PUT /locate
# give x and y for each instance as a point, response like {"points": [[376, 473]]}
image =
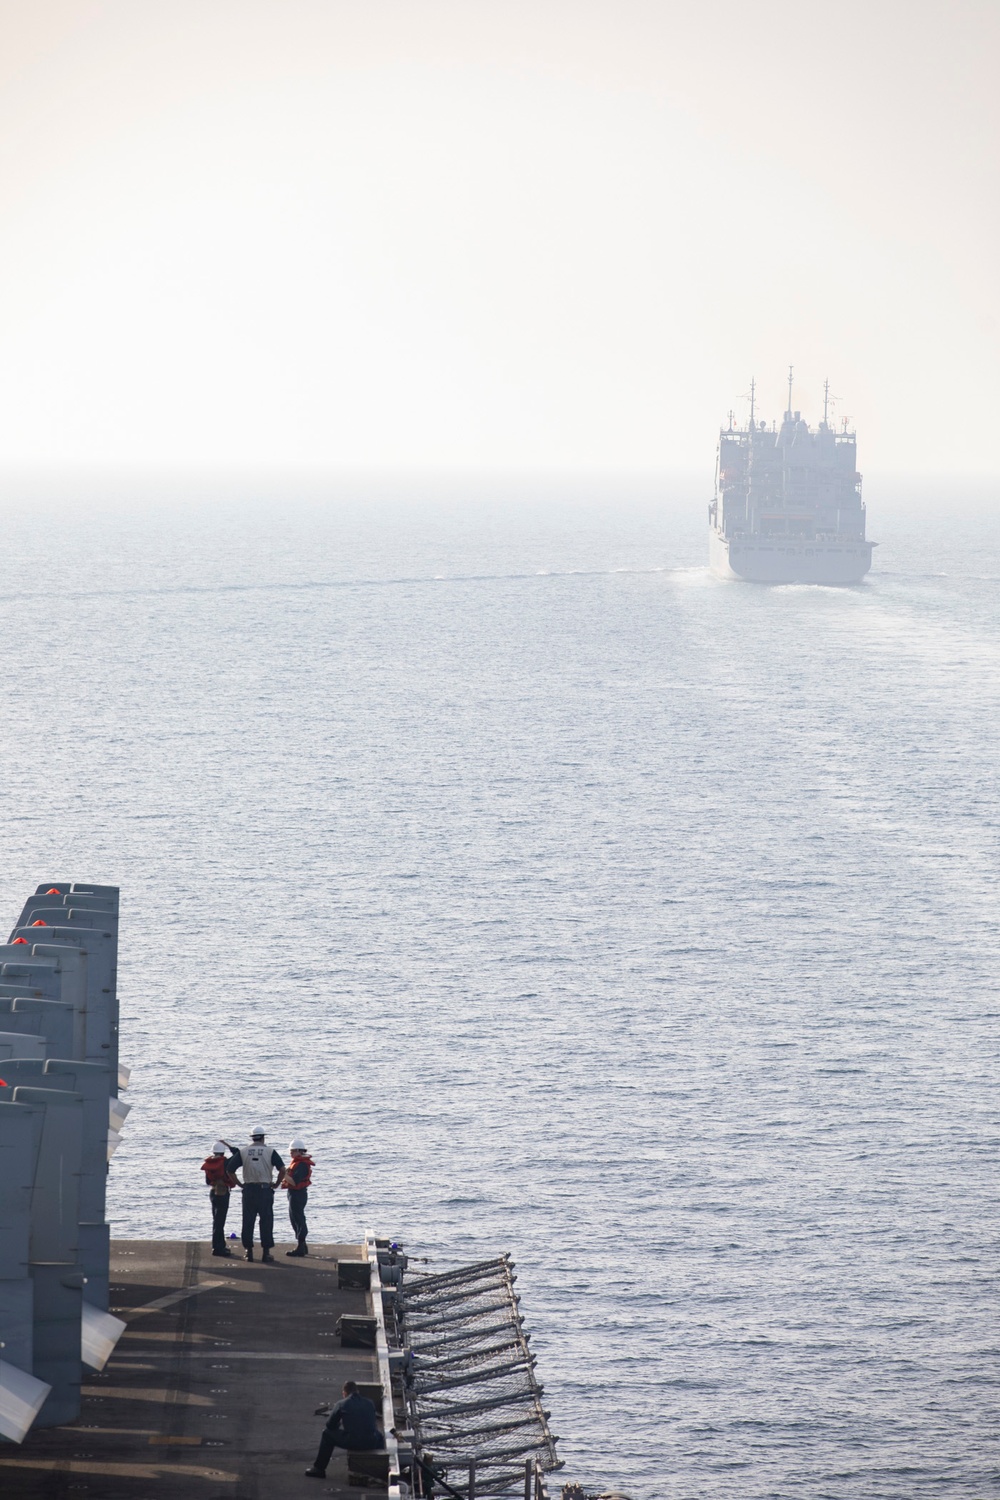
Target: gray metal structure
{"points": [[59, 1120], [467, 1375], [788, 506]]}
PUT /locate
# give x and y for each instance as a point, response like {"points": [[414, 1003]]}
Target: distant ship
{"points": [[788, 506]]}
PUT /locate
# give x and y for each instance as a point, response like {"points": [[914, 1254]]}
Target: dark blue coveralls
{"points": [[351, 1424], [258, 1203]]}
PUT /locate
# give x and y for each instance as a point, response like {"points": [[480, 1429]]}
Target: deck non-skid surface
{"points": [[210, 1392]]}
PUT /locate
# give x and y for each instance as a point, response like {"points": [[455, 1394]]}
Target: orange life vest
{"points": [[218, 1179], [298, 1161]]}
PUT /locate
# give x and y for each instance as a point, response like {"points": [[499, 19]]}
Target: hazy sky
{"points": [[481, 233]]}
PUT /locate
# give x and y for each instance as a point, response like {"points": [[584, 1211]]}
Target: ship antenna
{"points": [[788, 413], [826, 398], [753, 393]]}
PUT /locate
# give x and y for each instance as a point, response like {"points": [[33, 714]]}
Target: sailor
{"points": [[259, 1163], [351, 1425], [296, 1180], [220, 1181]]}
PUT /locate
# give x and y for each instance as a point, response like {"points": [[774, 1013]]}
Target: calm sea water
{"points": [[570, 903]]}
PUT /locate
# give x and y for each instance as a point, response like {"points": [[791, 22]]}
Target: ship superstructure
{"points": [[788, 506]]}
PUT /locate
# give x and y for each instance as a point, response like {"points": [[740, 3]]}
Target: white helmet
{"points": [[298, 1144], [219, 1149], [257, 1133]]}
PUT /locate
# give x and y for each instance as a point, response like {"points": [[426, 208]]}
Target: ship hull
{"points": [[756, 560]]}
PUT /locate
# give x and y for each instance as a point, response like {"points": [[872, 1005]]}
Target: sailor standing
{"points": [[296, 1181], [220, 1180], [259, 1164]]}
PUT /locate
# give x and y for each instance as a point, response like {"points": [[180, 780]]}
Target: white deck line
{"points": [[128, 1313], [396, 1491]]}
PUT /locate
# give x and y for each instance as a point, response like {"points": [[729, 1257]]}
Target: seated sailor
{"points": [[351, 1424]]}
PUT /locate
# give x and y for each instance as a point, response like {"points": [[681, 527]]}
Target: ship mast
{"points": [[788, 413], [753, 393], [826, 398]]}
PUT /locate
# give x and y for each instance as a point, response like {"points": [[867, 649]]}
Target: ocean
{"points": [[568, 902]]}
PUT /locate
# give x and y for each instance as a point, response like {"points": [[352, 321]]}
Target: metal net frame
{"points": [[472, 1398]]}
